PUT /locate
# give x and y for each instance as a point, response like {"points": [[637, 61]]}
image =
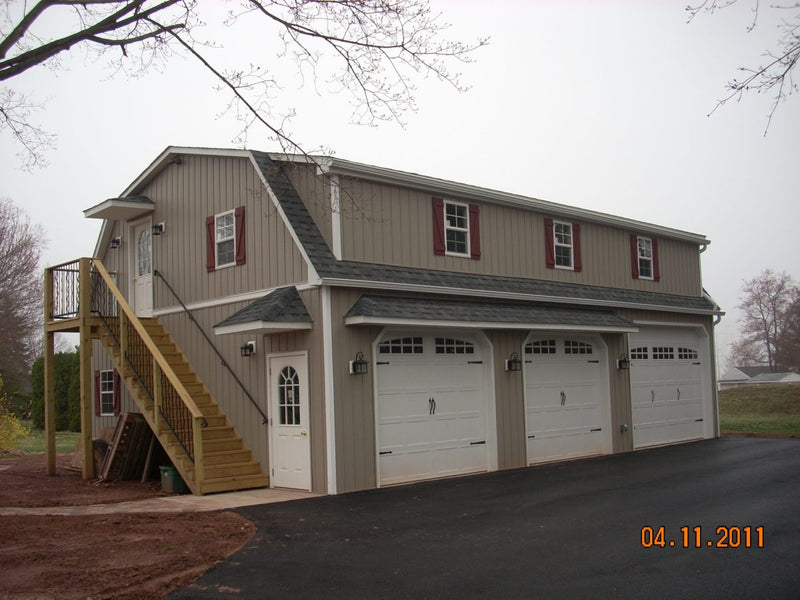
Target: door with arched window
{"points": [[290, 448], [142, 269]]}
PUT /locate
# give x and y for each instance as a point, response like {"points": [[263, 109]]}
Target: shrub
{"points": [[10, 427]]}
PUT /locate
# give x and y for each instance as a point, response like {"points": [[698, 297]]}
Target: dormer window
{"points": [[456, 229], [644, 258], [562, 245]]}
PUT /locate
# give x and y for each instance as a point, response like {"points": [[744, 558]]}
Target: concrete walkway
{"points": [[168, 504]]}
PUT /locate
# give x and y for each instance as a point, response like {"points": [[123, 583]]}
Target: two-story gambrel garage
{"points": [[385, 327]]}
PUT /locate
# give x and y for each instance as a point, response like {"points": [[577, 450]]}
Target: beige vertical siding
{"points": [[354, 398], [620, 391], [201, 186], [391, 225], [509, 393]]}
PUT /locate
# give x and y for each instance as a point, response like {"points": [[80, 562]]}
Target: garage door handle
{"points": [[598, 429], [652, 396], [679, 393], [563, 398], [477, 443], [431, 406], [530, 437], [385, 452]]}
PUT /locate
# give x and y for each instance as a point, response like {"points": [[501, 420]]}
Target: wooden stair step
{"points": [[230, 484], [221, 445], [232, 470], [227, 457], [222, 432]]}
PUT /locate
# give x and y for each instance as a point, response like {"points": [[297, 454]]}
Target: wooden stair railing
{"points": [[201, 443]]}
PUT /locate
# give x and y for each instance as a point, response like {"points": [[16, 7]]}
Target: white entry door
{"points": [[142, 270], [567, 404], [290, 454]]}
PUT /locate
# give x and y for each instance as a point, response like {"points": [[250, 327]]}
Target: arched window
{"points": [[144, 259], [289, 397]]}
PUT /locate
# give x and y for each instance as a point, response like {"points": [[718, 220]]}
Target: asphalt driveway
{"points": [[568, 530]]}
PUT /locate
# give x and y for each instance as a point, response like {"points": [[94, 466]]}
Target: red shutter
{"points": [[656, 270], [211, 246], [549, 244], [635, 256], [97, 393], [577, 264], [474, 231], [240, 241], [117, 394], [438, 227]]}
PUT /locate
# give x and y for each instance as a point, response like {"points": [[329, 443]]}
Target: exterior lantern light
{"points": [[623, 362], [513, 362], [248, 349], [158, 229], [359, 366], [115, 243]]}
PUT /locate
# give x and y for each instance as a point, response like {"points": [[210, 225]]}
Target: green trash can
{"points": [[171, 481]]}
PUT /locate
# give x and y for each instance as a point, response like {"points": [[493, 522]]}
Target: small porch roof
{"points": [[383, 310], [121, 209], [279, 311]]}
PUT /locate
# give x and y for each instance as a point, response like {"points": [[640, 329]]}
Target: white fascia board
{"points": [[395, 321], [427, 289], [470, 192], [265, 327]]}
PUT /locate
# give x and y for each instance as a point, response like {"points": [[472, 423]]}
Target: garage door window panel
{"points": [[541, 347], [575, 347], [453, 346], [663, 353], [687, 354], [406, 345]]}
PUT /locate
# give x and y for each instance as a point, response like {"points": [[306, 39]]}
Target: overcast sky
{"points": [[596, 104]]}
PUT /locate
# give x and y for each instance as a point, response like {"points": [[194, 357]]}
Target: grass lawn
{"points": [[772, 409], [35, 441]]}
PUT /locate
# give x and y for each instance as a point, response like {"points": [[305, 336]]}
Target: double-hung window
{"points": [[225, 243], [562, 239], [562, 245], [644, 258], [107, 393], [456, 229], [225, 239]]}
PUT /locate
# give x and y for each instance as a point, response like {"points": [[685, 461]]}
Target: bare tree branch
{"points": [[372, 49], [776, 75]]}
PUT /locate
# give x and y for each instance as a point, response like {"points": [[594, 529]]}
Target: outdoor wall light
{"points": [[513, 362], [359, 366], [623, 362], [115, 243], [248, 349], [158, 229]]}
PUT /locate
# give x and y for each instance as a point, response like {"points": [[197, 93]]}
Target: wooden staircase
{"points": [[227, 464]]}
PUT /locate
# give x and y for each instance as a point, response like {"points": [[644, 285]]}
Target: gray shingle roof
{"points": [[485, 312], [283, 305], [328, 267]]}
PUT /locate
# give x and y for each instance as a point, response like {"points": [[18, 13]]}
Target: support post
{"points": [[85, 309], [49, 376], [199, 461]]}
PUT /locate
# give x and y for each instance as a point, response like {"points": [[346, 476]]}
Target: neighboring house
{"points": [[737, 376], [395, 327]]}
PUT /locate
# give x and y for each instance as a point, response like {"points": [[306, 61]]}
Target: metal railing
{"points": [[66, 290], [222, 360]]}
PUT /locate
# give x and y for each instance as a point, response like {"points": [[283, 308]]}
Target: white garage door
{"points": [[432, 407], [567, 406], [667, 391]]}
